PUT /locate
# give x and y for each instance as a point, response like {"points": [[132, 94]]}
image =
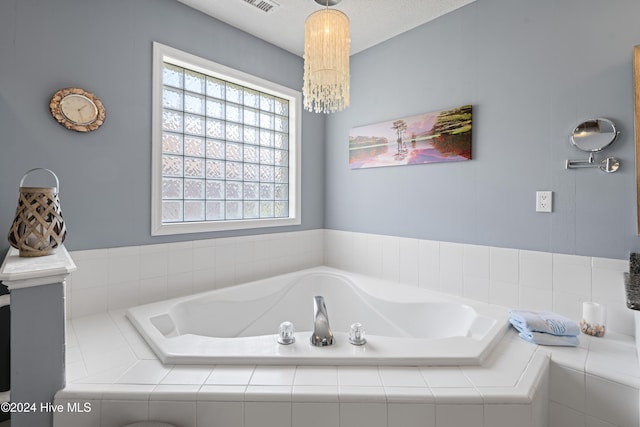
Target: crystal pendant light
{"points": [[326, 60]]}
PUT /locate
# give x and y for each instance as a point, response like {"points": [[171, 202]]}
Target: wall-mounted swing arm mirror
{"points": [[593, 136]]}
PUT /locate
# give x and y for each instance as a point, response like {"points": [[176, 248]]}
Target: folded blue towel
{"points": [[541, 338], [549, 323]]}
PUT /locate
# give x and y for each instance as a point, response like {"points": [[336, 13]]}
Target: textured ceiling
{"points": [[372, 21]]}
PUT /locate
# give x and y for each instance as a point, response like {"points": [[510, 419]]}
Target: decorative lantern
{"points": [[38, 227]]}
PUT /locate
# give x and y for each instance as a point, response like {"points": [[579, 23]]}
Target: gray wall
{"points": [[106, 48], [532, 70]]}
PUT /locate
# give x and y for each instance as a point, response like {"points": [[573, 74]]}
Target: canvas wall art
{"points": [[439, 136]]}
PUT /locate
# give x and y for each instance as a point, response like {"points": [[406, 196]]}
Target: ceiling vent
{"points": [[263, 5]]}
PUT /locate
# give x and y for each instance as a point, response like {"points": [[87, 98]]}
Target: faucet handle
{"points": [[285, 333], [356, 334]]}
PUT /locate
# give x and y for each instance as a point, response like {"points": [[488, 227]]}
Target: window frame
{"points": [[162, 54]]}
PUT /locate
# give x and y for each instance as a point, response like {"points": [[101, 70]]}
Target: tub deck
{"points": [[110, 367]]}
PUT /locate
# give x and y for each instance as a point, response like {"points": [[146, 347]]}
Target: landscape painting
{"points": [[439, 136]]}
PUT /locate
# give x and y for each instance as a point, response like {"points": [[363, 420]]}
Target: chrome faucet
{"points": [[322, 335]]}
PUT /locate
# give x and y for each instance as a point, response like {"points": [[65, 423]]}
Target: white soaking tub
{"points": [[404, 325]]}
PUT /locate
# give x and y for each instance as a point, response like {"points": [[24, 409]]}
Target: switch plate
{"points": [[544, 201]]}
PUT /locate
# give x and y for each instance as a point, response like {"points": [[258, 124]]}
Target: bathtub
{"points": [[404, 325]]}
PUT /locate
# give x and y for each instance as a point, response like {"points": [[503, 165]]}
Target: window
{"points": [[226, 150]]}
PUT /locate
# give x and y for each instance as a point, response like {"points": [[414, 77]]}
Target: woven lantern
{"points": [[38, 227]]}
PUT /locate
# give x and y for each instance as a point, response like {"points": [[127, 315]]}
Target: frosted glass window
{"points": [[171, 143], [224, 148], [193, 146]]}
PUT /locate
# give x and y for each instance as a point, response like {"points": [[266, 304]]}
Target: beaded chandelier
{"points": [[326, 60]]}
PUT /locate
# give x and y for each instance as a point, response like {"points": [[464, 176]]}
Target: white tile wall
{"points": [[456, 415], [220, 414], [115, 278], [475, 272], [451, 268], [509, 277], [118, 413], [610, 402], [315, 414], [568, 387], [540, 404], [89, 418], [599, 391], [412, 414], [508, 415], [179, 413], [408, 264], [360, 414], [563, 416], [261, 414]]}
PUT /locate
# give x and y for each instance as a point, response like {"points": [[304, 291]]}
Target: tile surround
{"points": [[116, 278], [246, 396], [510, 277], [383, 396]]}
